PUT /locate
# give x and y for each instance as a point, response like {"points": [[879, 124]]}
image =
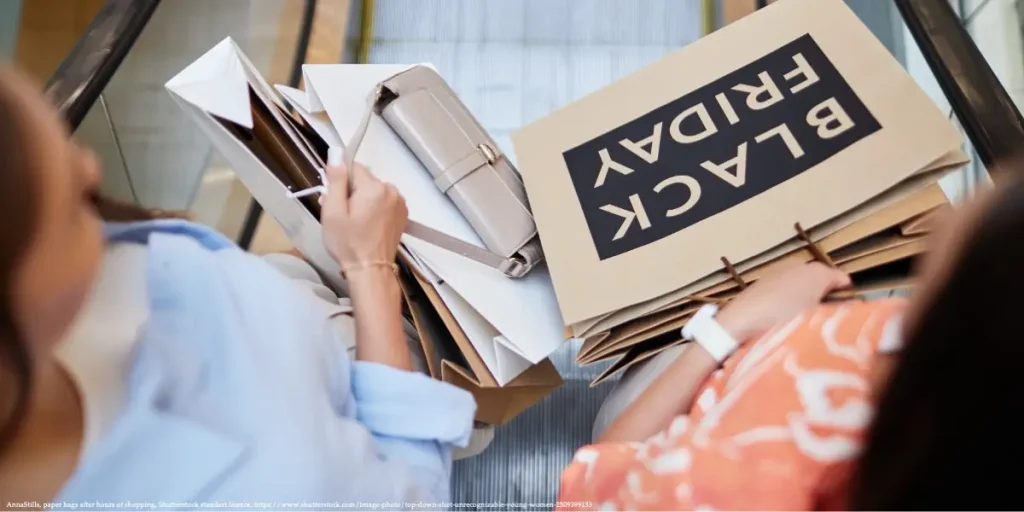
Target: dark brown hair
{"points": [[18, 193], [945, 435], [18, 207]]}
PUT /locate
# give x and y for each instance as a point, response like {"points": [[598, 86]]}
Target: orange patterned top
{"points": [[773, 429]]}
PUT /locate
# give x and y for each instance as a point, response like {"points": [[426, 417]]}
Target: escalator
{"points": [[82, 89], [989, 117], [82, 85], [110, 88]]}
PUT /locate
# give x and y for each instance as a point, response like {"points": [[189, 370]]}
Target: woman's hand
{"points": [[771, 300], [779, 297], [365, 226]]}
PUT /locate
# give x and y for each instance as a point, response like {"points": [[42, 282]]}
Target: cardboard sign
{"points": [[711, 149], [796, 113]]}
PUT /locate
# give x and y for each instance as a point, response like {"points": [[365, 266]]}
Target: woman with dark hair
{"points": [[945, 433], [783, 403], [153, 361]]}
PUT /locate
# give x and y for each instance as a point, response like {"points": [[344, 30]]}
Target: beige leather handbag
{"points": [[466, 165]]}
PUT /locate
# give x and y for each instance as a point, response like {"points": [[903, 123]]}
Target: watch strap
{"points": [[706, 331]]}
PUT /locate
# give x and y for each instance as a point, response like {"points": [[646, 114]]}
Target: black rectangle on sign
{"points": [[715, 147]]}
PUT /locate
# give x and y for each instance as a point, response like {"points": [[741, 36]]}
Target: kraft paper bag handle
{"points": [[819, 256]]}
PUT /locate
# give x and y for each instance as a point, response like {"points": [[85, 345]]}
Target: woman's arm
{"points": [[377, 315], [667, 397], [769, 301], [362, 228], [377, 307], [396, 443], [413, 419], [396, 430]]}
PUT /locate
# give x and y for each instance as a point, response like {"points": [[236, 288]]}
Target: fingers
{"points": [[841, 279], [361, 177], [346, 186], [336, 173], [338, 191], [401, 209], [393, 196], [830, 278]]}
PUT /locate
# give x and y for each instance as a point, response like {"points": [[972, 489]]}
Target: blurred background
{"points": [[511, 61]]}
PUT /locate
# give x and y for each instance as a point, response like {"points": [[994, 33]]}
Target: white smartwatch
{"points": [[705, 330]]}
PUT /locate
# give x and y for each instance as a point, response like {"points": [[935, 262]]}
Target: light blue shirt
{"points": [[240, 391]]}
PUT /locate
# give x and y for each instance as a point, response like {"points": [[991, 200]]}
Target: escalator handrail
{"points": [[86, 71], [988, 115]]}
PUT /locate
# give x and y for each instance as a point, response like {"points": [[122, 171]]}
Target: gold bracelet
{"points": [[359, 265]]}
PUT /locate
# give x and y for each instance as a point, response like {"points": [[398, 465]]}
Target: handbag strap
{"points": [[511, 267]]}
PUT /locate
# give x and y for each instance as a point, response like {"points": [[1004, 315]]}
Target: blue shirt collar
{"points": [[139, 232], [151, 453]]}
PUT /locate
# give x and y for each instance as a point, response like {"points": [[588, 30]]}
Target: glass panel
{"points": [[170, 163], [884, 22], [10, 15], [995, 27], [97, 132], [514, 61], [960, 184]]}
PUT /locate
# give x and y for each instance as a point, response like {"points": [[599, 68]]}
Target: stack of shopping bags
{"points": [[791, 135], [477, 298]]}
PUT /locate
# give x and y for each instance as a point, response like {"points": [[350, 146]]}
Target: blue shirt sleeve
{"points": [[411, 405], [242, 388], [413, 419]]}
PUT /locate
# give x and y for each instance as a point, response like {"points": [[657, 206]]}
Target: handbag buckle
{"points": [[513, 267], [488, 153]]}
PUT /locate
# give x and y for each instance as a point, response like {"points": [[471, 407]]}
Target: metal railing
{"points": [[86, 71], [988, 115]]}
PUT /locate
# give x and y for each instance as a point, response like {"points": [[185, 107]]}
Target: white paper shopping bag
{"points": [[523, 310]]}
